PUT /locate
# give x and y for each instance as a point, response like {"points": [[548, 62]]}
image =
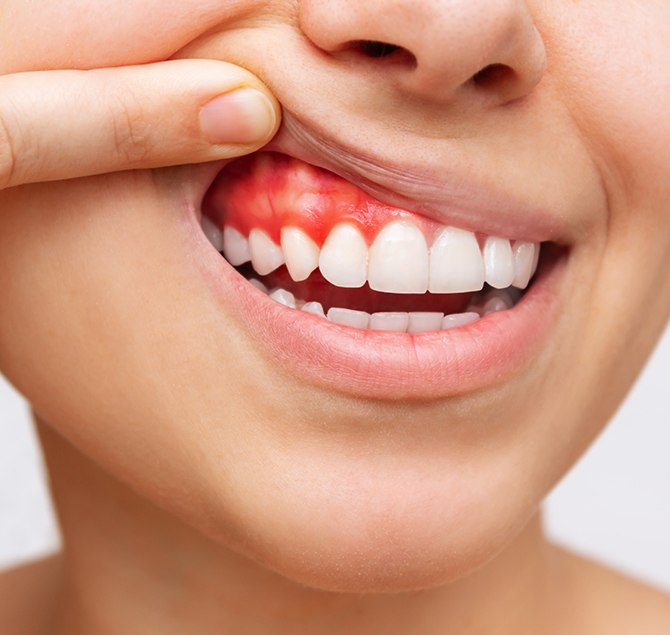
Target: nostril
{"points": [[376, 50], [370, 48], [492, 74]]}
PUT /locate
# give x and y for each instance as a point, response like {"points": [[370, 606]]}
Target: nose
{"points": [[441, 50]]}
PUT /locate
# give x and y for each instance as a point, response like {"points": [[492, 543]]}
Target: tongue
{"points": [[269, 191], [317, 289]]}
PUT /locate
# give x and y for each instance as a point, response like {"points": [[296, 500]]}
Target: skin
{"points": [[188, 501]]}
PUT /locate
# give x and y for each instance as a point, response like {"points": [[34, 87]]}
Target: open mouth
{"points": [[318, 244], [344, 291]]}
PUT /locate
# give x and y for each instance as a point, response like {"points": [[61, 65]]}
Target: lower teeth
{"points": [[482, 304]]}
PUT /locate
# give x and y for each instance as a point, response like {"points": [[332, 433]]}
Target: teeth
{"points": [[347, 317], [499, 300], [315, 308], [421, 322], [266, 256], [300, 251], [258, 284], [536, 260], [235, 247], [493, 306], [389, 322], [498, 262], [417, 322], [456, 264], [344, 257], [524, 263], [284, 297], [213, 233], [459, 319], [399, 259], [397, 262]]}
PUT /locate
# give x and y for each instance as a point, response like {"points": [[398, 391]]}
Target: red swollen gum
{"points": [[270, 191]]}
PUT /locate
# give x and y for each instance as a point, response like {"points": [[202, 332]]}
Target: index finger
{"points": [[65, 124]]}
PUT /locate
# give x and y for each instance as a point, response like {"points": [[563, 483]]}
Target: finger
{"points": [[64, 124]]}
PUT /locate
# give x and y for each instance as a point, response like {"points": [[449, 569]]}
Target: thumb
{"points": [[66, 124]]}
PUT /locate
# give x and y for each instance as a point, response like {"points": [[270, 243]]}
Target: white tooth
{"points": [[266, 256], [283, 297], [524, 257], [498, 262], [395, 321], [315, 308], [235, 247], [399, 259], [300, 251], [536, 259], [422, 322], [459, 319], [456, 264], [213, 233], [495, 304], [344, 257], [258, 284], [347, 317]]}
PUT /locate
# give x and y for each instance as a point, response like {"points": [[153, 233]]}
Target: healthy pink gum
{"points": [[270, 191]]}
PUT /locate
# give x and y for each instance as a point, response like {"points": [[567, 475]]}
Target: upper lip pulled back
{"points": [[435, 191]]}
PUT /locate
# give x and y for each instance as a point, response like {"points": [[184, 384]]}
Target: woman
{"points": [[365, 450]]}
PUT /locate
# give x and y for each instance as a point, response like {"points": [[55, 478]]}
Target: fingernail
{"points": [[243, 116]]}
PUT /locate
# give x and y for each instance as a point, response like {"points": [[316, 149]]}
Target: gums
{"points": [[270, 190]]}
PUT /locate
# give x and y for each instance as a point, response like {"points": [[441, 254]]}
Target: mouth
{"points": [[369, 298]]}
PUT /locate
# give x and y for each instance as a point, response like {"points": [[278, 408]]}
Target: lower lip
{"points": [[389, 365]]}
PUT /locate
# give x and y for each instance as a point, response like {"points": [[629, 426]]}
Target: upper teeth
{"points": [[344, 257], [398, 261]]}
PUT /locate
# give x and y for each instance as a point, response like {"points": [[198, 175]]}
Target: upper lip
{"points": [[425, 187]]}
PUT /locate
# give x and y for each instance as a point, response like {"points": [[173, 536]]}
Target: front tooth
{"points": [[524, 257], [300, 251], [344, 257], [316, 308], [213, 233], [423, 322], [399, 259], [347, 317], [459, 319], [266, 256], [498, 262], [235, 247], [283, 297], [456, 264], [389, 321]]}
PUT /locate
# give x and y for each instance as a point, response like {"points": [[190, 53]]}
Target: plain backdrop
{"points": [[614, 505]]}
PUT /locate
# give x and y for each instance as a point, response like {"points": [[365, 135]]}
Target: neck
{"points": [[130, 567]]}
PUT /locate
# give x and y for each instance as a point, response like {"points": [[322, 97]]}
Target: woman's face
{"points": [[342, 458]]}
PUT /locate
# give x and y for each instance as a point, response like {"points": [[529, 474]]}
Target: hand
{"points": [[65, 124]]}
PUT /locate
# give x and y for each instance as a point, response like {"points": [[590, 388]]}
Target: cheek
{"points": [[618, 94], [84, 34], [610, 63], [108, 330]]}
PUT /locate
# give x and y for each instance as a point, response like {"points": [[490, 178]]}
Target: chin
{"points": [[358, 527]]}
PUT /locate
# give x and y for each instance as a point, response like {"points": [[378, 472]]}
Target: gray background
{"points": [[614, 505]]}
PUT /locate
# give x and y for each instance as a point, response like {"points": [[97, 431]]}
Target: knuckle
{"points": [[131, 130]]}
